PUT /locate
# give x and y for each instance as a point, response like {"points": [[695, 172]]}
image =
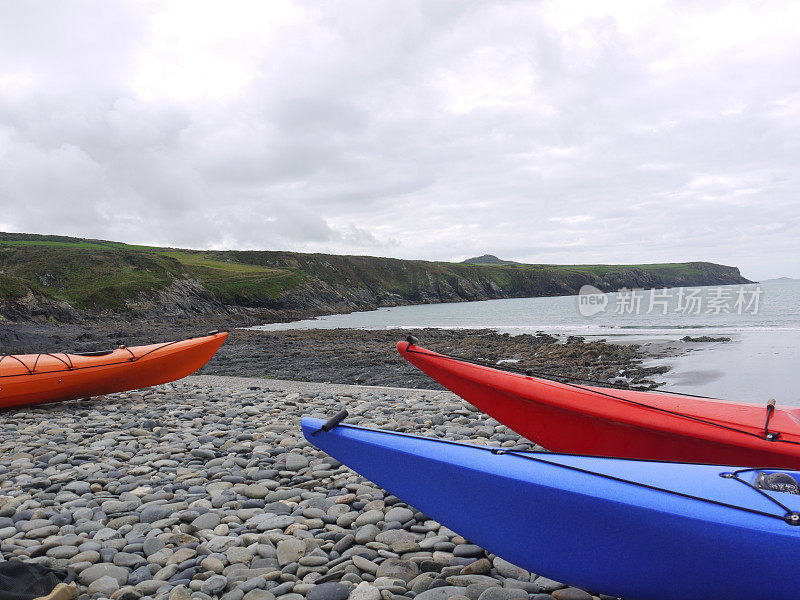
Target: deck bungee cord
{"points": [[769, 436], [69, 366], [790, 517], [66, 358]]}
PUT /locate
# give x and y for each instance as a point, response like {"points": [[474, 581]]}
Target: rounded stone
{"points": [[139, 575], [365, 565], [213, 564], [370, 517], [256, 490], [398, 569], [214, 585], [366, 534], [479, 567], [104, 586], [328, 591], [127, 559], [548, 586], [399, 514], [236, 554], [91, 556], [63, 552], [571, 593], [393, 536], [181, 555], [295, 461], [95, 572], [500, 593], [441, 593], [468, 551], [127, 592], [510, 570], [365, 591], [259, 595], [290, 550], [115, 507], [152, 545], [208, 520], [151, 514]]}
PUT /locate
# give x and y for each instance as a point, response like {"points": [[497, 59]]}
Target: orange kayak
{"points": [[27, 379]]}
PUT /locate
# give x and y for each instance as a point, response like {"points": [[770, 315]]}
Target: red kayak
{"points": [[581, 419], [27, 379]]}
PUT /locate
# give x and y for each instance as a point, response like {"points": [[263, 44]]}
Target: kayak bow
{"points": [[27, 379], [633, 529], [565, 417]]}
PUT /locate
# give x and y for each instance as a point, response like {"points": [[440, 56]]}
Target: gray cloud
{"points": [[543, 132]]}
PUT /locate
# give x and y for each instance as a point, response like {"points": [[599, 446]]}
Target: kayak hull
{"points": [[622, 423], [40, 378], [587, 521]]}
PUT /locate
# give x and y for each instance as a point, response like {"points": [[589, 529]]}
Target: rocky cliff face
{"points": [[319, 297], [335, 284], [33, 306]]}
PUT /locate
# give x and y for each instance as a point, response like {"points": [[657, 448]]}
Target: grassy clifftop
{"points": [[95, 274], [98, 275]]}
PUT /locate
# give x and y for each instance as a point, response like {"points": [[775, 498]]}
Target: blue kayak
{"points": [[640, 530]]}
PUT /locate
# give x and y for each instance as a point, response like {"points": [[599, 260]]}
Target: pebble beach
{"points": [[205, 488]]}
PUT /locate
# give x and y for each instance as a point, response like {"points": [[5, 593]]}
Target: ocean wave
{"points": [[593, 329]]}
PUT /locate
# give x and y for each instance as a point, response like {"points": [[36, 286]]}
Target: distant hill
{"points": [[59, 278], [488, 259]]}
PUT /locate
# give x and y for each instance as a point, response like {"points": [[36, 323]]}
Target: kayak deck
{"points": [[634, 529], [28, 379]]}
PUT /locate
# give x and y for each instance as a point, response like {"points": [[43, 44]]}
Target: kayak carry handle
{"points": [[770, 436], [412, 340], [333, 421]]}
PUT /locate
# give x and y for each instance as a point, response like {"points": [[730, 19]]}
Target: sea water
{"points": [[762, 320]]}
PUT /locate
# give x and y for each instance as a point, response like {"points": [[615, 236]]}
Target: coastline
{"points": [[754, 366], [357, 356]]}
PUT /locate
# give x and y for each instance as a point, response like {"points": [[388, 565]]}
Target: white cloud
{"points": [[539, 131]]}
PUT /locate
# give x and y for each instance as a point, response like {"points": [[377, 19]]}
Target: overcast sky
{"points": [[558, 132]]}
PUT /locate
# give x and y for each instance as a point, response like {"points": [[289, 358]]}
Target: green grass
{"points": [[672, 269], [236, 282], [13, 287], [247, 288], [52, 244], [191, 259], [87, 277], [103, 274]]}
